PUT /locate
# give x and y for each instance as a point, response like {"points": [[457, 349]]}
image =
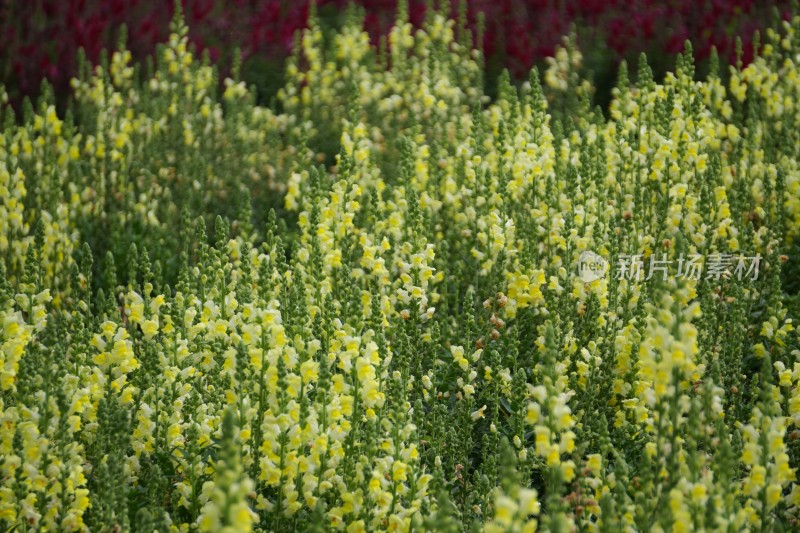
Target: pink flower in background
{"points": [[41, 39]]}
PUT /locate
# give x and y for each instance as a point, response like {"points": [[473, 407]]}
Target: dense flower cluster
{"points": [[364, 312]]}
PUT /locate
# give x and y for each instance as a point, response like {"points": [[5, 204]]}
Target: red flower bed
{"points": [[41, 37]]}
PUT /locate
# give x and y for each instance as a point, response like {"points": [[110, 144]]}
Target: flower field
{"points": [[365, 308]]}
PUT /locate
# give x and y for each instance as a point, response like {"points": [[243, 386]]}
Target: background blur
{"points": [[40, 38]]}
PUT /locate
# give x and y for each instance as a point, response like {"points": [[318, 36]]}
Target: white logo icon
{"points": [[591, 267]]}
